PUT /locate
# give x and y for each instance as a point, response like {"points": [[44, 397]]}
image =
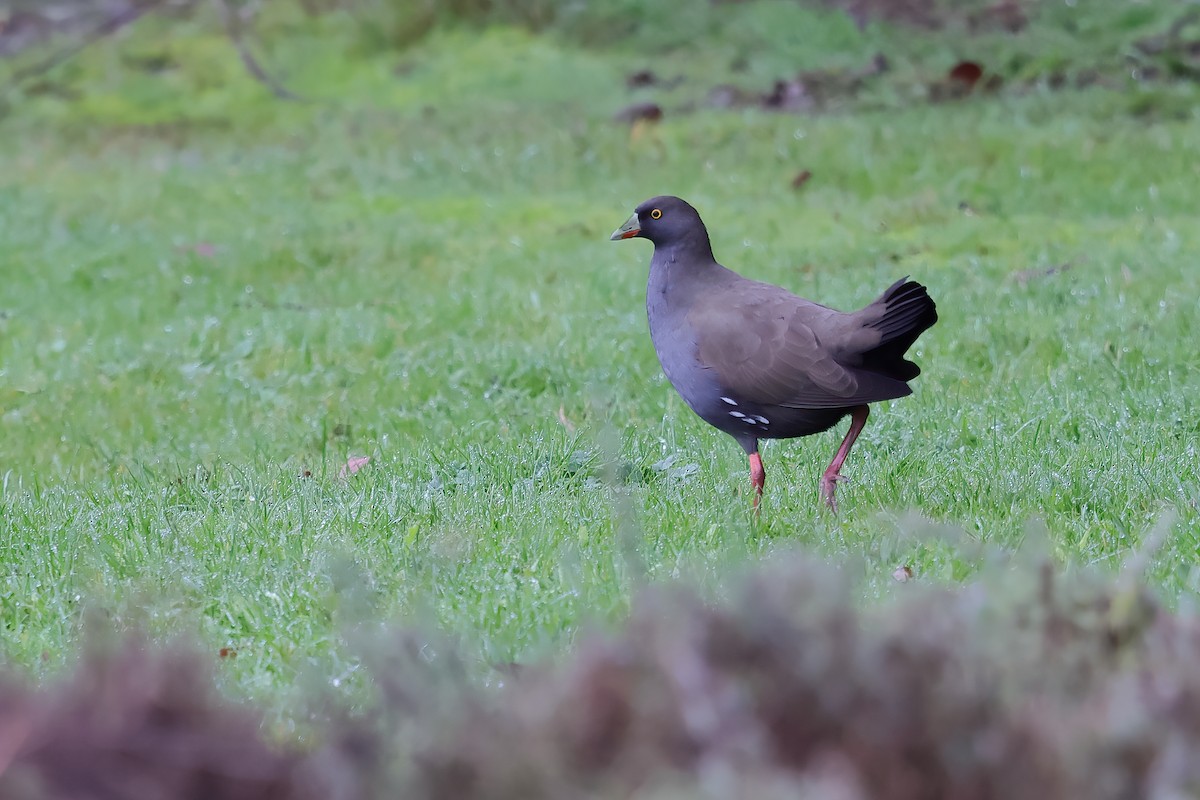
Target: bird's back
{"points": [[744, 346]]}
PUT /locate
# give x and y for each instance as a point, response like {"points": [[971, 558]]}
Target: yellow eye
{"points": [[655, 214]]}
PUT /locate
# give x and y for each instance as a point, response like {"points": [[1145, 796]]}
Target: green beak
{"points": [[630, 229]]}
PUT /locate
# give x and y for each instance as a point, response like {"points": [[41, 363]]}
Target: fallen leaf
{"points": [[801, 178], [726, 96], [1026, 275], [227, 652], [639, 112], [963, 79], [879, 65], [967, 73], [903, 573], [790, 95], [643, 77], [1006, 15], [353, 465], [566, 423]]}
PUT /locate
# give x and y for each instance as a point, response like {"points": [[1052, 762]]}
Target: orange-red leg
{"points": [[829, 481], [758, 477]]}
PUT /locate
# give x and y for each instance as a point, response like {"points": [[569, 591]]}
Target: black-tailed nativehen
{"points": [[758, 362]]}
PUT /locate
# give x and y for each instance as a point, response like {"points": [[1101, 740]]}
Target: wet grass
{"points": [[212, 299]]}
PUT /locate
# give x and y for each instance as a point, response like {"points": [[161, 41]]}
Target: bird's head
{"points": [[664, 220]]}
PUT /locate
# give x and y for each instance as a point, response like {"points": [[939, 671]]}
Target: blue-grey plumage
{"points": [[758, 362]]}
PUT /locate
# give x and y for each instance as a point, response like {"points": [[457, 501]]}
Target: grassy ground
{"points": [[212, 299]]}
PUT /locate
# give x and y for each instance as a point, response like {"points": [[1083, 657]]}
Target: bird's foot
{"points": [[829, 482]]}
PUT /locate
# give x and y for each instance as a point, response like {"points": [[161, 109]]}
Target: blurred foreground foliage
{"points": [[1023, 684]]}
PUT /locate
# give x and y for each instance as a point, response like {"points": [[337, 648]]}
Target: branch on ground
{"points": [[234, 27], [233, 19]]}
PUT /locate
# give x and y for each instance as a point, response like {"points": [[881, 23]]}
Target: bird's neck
{"points": [[694, 248], [677, 271]]}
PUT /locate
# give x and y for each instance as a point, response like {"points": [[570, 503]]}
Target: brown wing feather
{"points": [[770, 349]]}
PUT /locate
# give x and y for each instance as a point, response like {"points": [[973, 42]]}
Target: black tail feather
{"points": [[909, 311]]}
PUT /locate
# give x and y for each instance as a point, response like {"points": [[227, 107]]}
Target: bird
{"points": [[756, 361]]}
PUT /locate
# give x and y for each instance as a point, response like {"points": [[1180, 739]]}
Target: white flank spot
{"points": [[730, 400], [750, 420], [763, 420], [737, 414]]}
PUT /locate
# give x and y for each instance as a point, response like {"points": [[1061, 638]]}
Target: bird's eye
{"points": [[656, 213]]}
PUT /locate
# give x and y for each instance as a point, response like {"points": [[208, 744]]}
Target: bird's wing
{"points": [[773, 348]]}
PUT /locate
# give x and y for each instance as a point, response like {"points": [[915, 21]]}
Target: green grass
{"points": [[419, 271]]}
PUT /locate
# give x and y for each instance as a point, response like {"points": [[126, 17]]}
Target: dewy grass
{"points": [[211, 300]]}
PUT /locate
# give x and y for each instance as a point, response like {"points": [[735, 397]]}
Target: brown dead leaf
{"points": [[1006, 15], [639, 112], [566, 423], [1026, 275], [966, 73], [353, 465], [963, 79], [801, 178], [227, 652], [643, 77]]}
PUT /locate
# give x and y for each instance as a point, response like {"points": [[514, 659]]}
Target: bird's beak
{"points": [[630, 229]]}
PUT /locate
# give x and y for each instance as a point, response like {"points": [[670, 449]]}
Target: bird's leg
{"points": [[829, 481], [758, 477]]}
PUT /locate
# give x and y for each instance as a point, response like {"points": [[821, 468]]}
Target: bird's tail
{"points": [[908, 311]]}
